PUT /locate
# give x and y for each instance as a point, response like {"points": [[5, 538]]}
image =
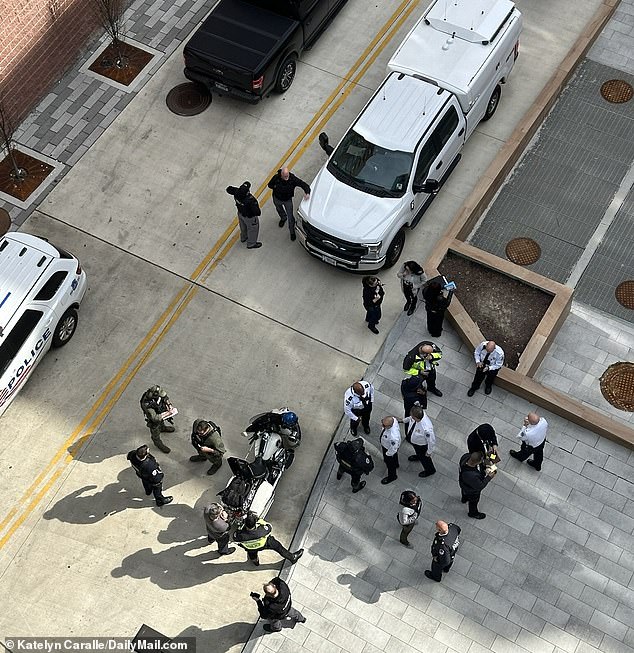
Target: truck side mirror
{"points": [[324, 144], [430, 186]]}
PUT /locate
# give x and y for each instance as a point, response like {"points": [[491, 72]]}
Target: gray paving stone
{"points": [[560, 638], [596, 599], [346, 640], [444, 615], [599, 475], [493, 602], [421, 621], [550, 613], [571, 531], [611, 645], [622, 539], [620, 593], [604, 548], [533, 643], [608, 625], [538, 588], [616, 572], [610, 498], [419, 642], [625, 488], [519, 596], [584, 632], [477, 632]]}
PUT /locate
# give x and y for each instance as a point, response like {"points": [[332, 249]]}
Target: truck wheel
{"points": [[65, 328], [494, 100], [286, 74], [395, 250]]}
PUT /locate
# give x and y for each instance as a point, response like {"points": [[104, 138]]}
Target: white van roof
{"points": [[397, 116], [23, 260], [452, 41]]}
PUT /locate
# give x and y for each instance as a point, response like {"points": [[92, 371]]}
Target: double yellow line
{"points": [[117, 385]]}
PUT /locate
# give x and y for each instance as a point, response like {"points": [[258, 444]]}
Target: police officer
{"points": [[353, 460], [218, 528], [489, 358], [357, 405], [255, 535], [419, 432], [390, 443], [423, 359], [533, 437], [414, 392], [154, 403], [277, 605], [151, 475], [473, 479], [443, 549], [207, 440]]}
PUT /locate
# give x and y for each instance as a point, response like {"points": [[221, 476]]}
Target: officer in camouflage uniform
{"points": [[207, 440], [154, 402]]}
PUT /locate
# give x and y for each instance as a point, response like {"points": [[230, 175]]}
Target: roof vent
{"points": [[40, 263], [22, 251]]}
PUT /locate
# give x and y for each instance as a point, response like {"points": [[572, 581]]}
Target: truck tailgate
{"points": [[238, 37]]}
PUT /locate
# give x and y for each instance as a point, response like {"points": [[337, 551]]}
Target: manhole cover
{"points": [[5, 221], [523, 251], [617, 385], [624, 294], [188, 99], [617, 91]]}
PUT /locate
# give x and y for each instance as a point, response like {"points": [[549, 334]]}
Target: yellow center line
{"points": [[109, 396]]}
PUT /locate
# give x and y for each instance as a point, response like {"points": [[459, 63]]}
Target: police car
{"points": [[41, 287]]}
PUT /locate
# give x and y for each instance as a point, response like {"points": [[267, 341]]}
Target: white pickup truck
{"points": [[442, 81]]}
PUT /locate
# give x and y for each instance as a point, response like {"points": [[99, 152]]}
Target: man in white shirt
{"points": [[419, 432], [390, 442], [489, 358], [357, 405], [533, 437]]}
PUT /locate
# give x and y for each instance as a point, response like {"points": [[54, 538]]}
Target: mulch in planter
{"points": [[37, 172], [134, 61]]}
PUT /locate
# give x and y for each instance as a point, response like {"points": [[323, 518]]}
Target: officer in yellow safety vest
{"points": [[255, 535], [422, 361]]}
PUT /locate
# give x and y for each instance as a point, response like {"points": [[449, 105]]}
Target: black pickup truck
{"points": [[248, 48]]}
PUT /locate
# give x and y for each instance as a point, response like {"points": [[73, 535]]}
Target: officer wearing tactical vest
{"points": [[443, 549], [155, 403], [150, 473], [207, 440], [255, 535], [422, 360]]}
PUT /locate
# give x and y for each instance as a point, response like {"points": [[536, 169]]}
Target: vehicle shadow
{"points": [[219, 640], [185, 565]]}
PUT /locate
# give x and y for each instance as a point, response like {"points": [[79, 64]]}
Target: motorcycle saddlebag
{"points": [[235, 493], [248, 471]]}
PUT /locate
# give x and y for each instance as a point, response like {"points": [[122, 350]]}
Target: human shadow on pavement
{"points": [[85, 507], [219, 640], [173, 568]]}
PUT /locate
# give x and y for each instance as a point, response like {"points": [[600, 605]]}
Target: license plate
{"points": [[222, 87], [329, 260]]}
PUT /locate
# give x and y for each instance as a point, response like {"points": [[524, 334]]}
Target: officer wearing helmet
{"points": [[282, 421], [207, 440], [154, 404]]}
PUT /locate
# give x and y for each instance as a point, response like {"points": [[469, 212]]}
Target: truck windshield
{"points": [[369, 167]]}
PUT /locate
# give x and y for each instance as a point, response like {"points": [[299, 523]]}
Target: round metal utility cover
{"points": [[617, 91], [624, 294], [5, 221], [617, 386], [188, 99], [523, 251]]}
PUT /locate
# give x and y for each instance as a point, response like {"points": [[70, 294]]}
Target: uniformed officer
{"points": [[419, 432], [473, 479], [255, 535], [357, 405], [150, 473], [277, 605], [207, 440], [354, 460], [390, 443], [489, 358], [443, 549], [154, 403], [414, 392], [423, 359], [533, 437]]}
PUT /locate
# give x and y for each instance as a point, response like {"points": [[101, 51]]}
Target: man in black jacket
{"points": [[473, 479], [443, 549], [276, 605], [248, 214], [354, 460], [151, 475], [283, 185]]}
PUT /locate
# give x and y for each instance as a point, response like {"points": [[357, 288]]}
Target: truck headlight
{"points": [[374, 249]]}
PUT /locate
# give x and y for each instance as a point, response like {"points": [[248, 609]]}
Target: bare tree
{"points": [[7, 131], [110, 15]]}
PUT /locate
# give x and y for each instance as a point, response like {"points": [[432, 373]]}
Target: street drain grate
{"points": [[523, 251], [624, 294], [617, 91], [188, 99], [617, 386]]}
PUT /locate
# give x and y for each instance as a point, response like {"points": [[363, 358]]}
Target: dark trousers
{"points": [[472, 499], [434, 322], [431, 379], [537, 452], [391, 462], [293, 615], [355, 476], [373, 315], [409, 401], [273, 545], [223, 541], [437, 569], [481, 375], [156, 490], [411, 298], [364, 417], [284, 209], [405, 531], [425, 460]]}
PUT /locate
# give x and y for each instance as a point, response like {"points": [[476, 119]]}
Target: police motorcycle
{"points": [[273, 438]]}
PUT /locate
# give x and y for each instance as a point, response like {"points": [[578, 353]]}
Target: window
{"points": [[428, 154], [13, 341], [434, 145], [446, 127], [48, 290]]}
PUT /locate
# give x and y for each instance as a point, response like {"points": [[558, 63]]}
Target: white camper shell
{"points": [[457, 43], [41, 287], [443, 80]]}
